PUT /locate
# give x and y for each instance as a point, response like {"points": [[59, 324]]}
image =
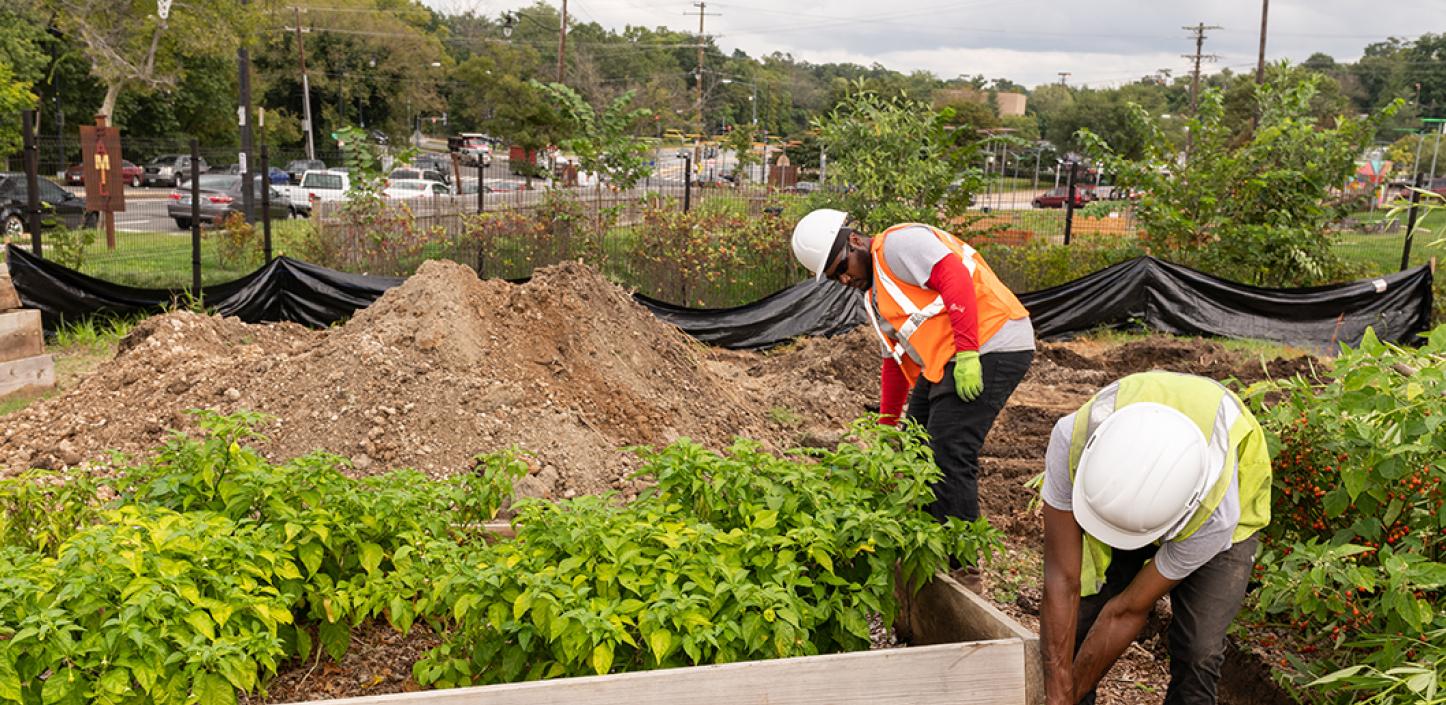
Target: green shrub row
{"points": [[1353, 556], [205, 570]]}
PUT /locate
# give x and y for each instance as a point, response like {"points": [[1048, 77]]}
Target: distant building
{"points": [[1005, 104], [1010, 104]]}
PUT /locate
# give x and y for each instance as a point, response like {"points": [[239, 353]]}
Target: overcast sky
{"points": [[1100, 42]]}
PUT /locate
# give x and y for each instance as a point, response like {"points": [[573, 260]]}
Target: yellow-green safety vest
{"points": [[1202, 400]]}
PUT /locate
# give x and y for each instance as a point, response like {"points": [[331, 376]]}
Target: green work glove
{"points": [[968, 377]]}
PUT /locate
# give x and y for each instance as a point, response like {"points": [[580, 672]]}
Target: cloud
{"points": [[1099, 42]]}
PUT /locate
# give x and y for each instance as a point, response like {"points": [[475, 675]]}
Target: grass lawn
{"points": [[78, 349], [1264, 349], [1380, 253], [159, 261]]}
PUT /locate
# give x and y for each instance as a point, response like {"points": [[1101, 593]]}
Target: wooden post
{"points": [[101, 123]]}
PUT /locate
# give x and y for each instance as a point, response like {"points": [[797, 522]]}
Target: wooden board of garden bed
{"points": [[965, 653]]}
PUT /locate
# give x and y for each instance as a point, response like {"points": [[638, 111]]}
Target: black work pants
{"points": [[1204, 604], [957, 428]]}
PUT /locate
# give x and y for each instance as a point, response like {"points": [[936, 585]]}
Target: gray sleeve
{"points": [[1058, 490], [1176, 560], [912, 253]]}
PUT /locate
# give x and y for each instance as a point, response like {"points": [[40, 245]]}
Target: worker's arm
{"points": [[1118, 624], [1060, 612], [893, 388], [951, 279]]}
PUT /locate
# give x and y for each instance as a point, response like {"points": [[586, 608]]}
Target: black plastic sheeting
{"points": [[1144, 291], [282, 290]]}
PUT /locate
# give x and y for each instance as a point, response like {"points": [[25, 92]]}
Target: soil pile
{"points": [[440, 368]]}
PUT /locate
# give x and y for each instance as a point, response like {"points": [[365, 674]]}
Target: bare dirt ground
{"points": [[569, 368]]}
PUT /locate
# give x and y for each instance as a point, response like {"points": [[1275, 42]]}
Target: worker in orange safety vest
{"points": [[950, 330]]}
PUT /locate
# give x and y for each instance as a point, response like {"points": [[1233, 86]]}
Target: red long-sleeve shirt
{"points": [[951, 280]]}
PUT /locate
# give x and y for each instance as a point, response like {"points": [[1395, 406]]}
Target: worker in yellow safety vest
{"points": [[950, 331], [1157, 485]]}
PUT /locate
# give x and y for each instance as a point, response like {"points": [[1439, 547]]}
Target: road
{"points": [[146, 206]]}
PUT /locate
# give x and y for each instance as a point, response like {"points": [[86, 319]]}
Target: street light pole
{"points": [[305, 90]]}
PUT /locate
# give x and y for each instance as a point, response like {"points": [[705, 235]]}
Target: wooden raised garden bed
{"points": [[965, 652]]}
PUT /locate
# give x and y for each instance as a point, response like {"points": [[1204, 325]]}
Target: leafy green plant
{"points": [[711, 257], [1255, 211], [729, 557], [205, 567], [897, 159], [195, 574], [1037, 264], [1353, 554], [236, 242], [65, 245], [603, 142], [92, 332]]}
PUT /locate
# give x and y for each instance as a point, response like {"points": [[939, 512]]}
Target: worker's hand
{"points": [[968, 376]]}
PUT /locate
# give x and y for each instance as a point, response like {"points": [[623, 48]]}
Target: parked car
{"points": [[315, 186], [297, 167], [412, 174], [1056, 197], [61, 206], [440, 163], [130, 173], [220, 196], [278, 175], [503, 185], [472, 147], [171, 170], [415, 188]]}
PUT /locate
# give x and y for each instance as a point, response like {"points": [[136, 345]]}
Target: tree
{"points": [[1256, 211], [604, 143], [376, 65], [898, 160], [740, 142], [15, 96], [130, 46], [523, 114], [1105, 113]]}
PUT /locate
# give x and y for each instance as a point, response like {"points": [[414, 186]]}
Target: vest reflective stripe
{"points": [[897, 347], [1236, 446], [919, 334]]}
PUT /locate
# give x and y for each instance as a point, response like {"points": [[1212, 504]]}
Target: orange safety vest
{"points": [[911, 320]]}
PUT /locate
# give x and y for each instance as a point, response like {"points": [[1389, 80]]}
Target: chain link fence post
{"points": [[1411, 223], [1069, 203], [32, 179]]}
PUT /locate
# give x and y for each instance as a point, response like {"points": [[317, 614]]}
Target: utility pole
{"points": [[1062, 76], [702, 44], [305, 90], [1260, 65], [243, 115], [1199, 31], [562, 43]]}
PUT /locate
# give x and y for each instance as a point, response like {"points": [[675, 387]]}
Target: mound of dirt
{"points": [[811, 388], [440, 368]]}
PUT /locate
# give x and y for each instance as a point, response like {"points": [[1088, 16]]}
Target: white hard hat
{"points": [[1141, 476], [814, 236]]}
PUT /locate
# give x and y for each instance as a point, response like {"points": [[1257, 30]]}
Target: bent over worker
{"points": [[949, 328], [1156, 485]]}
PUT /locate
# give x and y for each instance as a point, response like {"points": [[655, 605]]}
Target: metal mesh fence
{"points": [[505, 219]]}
